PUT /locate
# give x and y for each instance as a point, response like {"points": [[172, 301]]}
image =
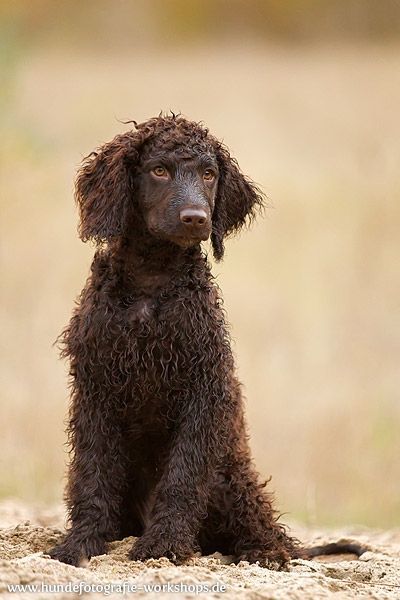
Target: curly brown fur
{"points": [[157, 433]]}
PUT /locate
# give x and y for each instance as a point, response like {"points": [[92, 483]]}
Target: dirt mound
{"points": [[27, 532]]}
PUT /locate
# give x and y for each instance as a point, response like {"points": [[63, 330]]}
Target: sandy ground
{"points": [[26, 532]]}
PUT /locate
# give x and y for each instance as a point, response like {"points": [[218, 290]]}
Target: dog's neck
{"points": [[146, 265]]}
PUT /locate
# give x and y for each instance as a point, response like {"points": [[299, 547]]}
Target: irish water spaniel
{"points": [[157, 432]]}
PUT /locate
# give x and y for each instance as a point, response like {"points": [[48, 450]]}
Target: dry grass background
{"points": [[312, 291]]}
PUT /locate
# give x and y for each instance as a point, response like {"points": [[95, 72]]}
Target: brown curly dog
{"points": [[157, 432]]}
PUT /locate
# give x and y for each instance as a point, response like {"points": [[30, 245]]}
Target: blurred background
{"points": [[306, 94]]}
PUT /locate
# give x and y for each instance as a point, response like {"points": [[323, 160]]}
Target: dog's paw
{"points": [[76, 553], [65, 553], [177, 551]]}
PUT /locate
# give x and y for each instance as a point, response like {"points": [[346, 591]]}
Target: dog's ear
{"points": [[236, 203], [104, 188]]}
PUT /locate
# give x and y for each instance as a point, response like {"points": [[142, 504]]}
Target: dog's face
{"points": [[176, 194], [171, 177]]}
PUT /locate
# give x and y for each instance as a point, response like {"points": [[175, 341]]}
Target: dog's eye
{"points": [[208, 175], [160, 171]]}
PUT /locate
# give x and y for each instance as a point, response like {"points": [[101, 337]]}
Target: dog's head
{"points": [[169, 175]]}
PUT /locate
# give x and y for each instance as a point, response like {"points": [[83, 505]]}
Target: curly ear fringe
{"points": [[237, 203], [104, 187]]}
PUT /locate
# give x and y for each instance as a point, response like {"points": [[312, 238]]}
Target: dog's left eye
{"points": [[208, 175], [160, 171]]}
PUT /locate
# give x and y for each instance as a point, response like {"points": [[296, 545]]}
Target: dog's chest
{"points": [[140, 311], [148, 335]]}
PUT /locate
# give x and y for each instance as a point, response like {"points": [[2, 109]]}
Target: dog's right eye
{"points": [[160, 171]]}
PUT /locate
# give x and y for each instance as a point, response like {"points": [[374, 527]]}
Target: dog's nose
{"points": [[194, 217]]}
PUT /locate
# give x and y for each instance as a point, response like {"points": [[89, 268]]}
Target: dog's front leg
{"points": [[182, 493], [97, 478]]}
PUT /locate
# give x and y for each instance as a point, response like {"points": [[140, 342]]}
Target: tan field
{"points": [[312, 291]]}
